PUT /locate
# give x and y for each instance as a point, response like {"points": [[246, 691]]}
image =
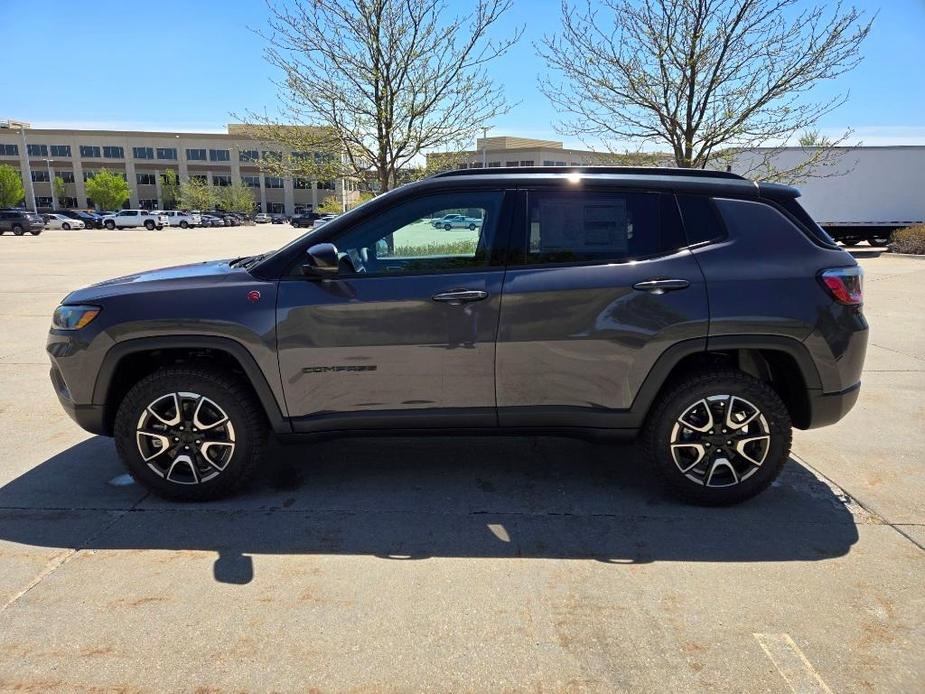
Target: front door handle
{"points": [[456, 297], [661, 286]]}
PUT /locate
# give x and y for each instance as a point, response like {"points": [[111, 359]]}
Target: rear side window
{"points": [[816, 232], [702, 223], [580, 226]]}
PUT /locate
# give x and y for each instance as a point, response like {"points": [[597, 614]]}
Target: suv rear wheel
{"points": [[190, 434], [718, 437]]}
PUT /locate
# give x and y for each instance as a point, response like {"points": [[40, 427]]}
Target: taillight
{"points": [[845, 284]]}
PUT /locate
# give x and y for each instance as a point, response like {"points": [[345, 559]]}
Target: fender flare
{"points": [[252, 371]]}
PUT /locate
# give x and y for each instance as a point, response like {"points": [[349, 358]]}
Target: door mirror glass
{"points": [[322, 259]]}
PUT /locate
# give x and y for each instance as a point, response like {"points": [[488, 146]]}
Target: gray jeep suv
{"points": [[705, 313]]}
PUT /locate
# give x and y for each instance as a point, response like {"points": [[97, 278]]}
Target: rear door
{"points": [[602, 284], [404, 335]]}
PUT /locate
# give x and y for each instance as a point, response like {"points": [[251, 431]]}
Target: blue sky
{"points": [[190, 64]]}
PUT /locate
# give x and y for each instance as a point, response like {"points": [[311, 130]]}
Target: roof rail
{"points": [[625, 170]]}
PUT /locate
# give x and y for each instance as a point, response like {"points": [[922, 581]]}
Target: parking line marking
{"points": [[791, 663]]}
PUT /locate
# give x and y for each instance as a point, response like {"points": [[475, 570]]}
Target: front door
{"points": [[406, 328], [603, 286]]}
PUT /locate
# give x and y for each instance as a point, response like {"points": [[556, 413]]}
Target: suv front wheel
{"points": [[718, 437], [190, 434]]}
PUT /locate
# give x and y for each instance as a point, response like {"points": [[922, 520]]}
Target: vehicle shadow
{"points": [[406, 499]]}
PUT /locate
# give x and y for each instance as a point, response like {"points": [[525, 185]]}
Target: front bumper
{"points": [[92, 418]]}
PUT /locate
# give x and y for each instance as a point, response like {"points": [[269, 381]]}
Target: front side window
{"points": [[440, 233], [590, 226]]}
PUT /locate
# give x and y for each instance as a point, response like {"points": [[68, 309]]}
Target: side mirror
{"points": [[322, 260]]}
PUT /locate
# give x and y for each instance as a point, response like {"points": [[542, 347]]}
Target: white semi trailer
{"points": [[866, 194]]}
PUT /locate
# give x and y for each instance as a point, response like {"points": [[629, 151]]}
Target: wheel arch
{"points": [[782, 362], [126, 362]]}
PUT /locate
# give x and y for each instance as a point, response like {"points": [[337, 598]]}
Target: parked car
{"points": [[457, 221], [261, 218], [701, 311], [209, 220], [178, 218], [91, 220], [55, 220], [127, 219], [279, 219], [323, 219], [305, 220], [20, 222]]}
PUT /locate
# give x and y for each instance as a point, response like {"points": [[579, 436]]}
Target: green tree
{"points": [[108, 190], [60, 190], [703, 77], [11, 190], [237, 198], [170, 189], [330, 205], [196, 194]]}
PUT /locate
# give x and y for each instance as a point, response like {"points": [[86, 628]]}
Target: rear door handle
{"points": [[661, 286], [456, 297]]}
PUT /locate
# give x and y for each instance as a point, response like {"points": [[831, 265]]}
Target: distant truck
{"points": [[866, 194]]}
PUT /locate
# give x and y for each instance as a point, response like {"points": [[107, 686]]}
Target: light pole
{"points": [[51, 183], [27, 170], [485, 130]]}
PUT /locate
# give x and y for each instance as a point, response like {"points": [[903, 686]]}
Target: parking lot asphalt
{"points": [[440, 564]]}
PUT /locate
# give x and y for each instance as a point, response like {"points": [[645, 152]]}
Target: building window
{"points": [[9, 150], [66, 176], [196, 154], [560, 163], [219, 155], [325, 185], [548, 162], [248, 155], [90, 151], [88, 174], [167, 153], [302, 183], [39, 176], [512, 163], [251, 181], [150, 204], [145, 179], [526, 162], [493, 164], [173, 175], [61, 150], [143, 152], [67, 202], [272, 156], [273, 182], [222, 181], [199, 178], [37, 150], [275, 208], [113, 152], [42, 202]]}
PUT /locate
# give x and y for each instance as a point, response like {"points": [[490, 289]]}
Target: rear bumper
{"points": [[828, 408]]}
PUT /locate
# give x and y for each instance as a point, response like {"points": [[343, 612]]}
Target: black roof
{"points": [[619, 170]]}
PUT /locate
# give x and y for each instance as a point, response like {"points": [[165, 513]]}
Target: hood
{"points": [[169, 278]]}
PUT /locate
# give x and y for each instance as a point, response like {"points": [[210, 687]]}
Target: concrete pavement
{"points": [[451, 564]]}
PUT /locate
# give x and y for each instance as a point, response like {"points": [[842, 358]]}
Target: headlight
{"points": [[74, 317]]}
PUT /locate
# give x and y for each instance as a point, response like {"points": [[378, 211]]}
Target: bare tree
{"points": [[706, 78], [385, 79]]}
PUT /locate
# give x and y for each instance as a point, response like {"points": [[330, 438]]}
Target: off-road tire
{"points": [[673, 403], [225, 389]]}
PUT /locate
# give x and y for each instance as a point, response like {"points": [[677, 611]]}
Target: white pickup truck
{"points": [[178, 218], [126, 219]]}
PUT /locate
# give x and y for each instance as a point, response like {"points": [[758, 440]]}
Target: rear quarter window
{"points": [[702, 222]]}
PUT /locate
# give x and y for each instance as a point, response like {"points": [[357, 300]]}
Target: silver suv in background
{"points": [[178, 218]]}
